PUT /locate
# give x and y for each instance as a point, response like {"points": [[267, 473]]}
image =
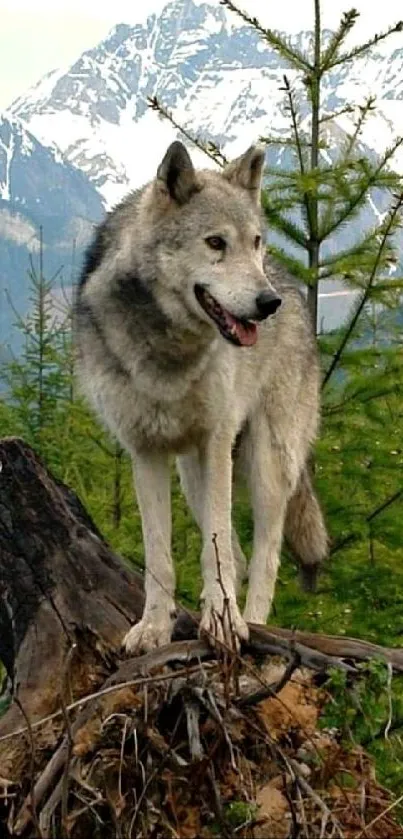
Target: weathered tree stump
{"points": [[60, 586], [66, 602]]}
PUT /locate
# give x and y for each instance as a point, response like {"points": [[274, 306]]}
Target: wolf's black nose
{"points": [[267, 302]]}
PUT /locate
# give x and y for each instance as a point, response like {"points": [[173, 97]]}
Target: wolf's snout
{"points": [[267, 302]]}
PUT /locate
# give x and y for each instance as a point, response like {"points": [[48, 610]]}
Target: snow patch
{"points": [[210, 76], [19, 230]]}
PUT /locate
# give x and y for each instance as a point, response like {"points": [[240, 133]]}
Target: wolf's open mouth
{"points": [[241, 332]]}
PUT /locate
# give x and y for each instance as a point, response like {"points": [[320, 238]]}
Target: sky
{"points": [[37, 36]]}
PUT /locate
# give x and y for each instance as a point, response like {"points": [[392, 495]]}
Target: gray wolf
{"points": [[189, 345]]}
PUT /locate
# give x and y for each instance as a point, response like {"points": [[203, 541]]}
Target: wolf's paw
{"points": [[151, 632], [222, 621]]}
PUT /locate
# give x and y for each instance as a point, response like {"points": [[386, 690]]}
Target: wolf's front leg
{"points": [[153, 489], [221, 619]]}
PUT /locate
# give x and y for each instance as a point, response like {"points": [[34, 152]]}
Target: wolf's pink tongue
{"points": [[247, 335]]}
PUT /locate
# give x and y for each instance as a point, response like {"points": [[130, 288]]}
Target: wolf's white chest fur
{"points": [[173, 412]]}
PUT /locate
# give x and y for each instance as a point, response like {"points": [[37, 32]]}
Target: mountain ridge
{"points": [[220, 80], [41, 195], [217, 75]]}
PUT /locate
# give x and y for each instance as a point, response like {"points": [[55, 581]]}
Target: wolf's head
{"points": [[205, 228]]}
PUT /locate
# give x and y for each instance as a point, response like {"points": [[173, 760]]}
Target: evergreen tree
{"points": [[309, 204], [36, 381]]}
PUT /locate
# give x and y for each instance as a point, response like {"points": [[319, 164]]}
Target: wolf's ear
{"points": [[247, 171], [176, 174]]}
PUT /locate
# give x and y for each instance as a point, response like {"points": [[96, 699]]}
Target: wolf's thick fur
{"points": [[173, 266]]}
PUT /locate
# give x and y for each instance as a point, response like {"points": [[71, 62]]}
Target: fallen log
{"points": [[66, 601]]}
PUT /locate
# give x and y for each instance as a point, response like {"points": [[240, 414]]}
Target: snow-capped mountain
{"points": [[218, 78], [38, 189], [79, 139]]}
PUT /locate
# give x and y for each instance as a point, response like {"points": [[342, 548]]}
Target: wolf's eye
{"points": [[258, 241], [216, 243]]}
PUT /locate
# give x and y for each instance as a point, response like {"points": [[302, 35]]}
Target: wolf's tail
{"points": [[305, 531]]}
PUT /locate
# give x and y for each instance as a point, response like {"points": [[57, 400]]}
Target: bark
{"points": [[60, 586]]}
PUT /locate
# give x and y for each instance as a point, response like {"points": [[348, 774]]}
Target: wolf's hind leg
{"points": [[272, 477]]}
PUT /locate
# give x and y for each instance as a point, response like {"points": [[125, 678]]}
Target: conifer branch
{"points": [[367, 246], [336, 114], [19, 323], [288, 141], [388, 285], [360, 51], [295, 128], [330, 410], [369, 181], [353, 537], [385, 504], [209, 148], [349, 19], [285, 225], [275, 40], [364, 110], [292, 264], [286, 177], [294, 121], [388, 227], [326, 173]]}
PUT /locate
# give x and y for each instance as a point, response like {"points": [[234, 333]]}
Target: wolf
{"points": [[190, 343]]}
